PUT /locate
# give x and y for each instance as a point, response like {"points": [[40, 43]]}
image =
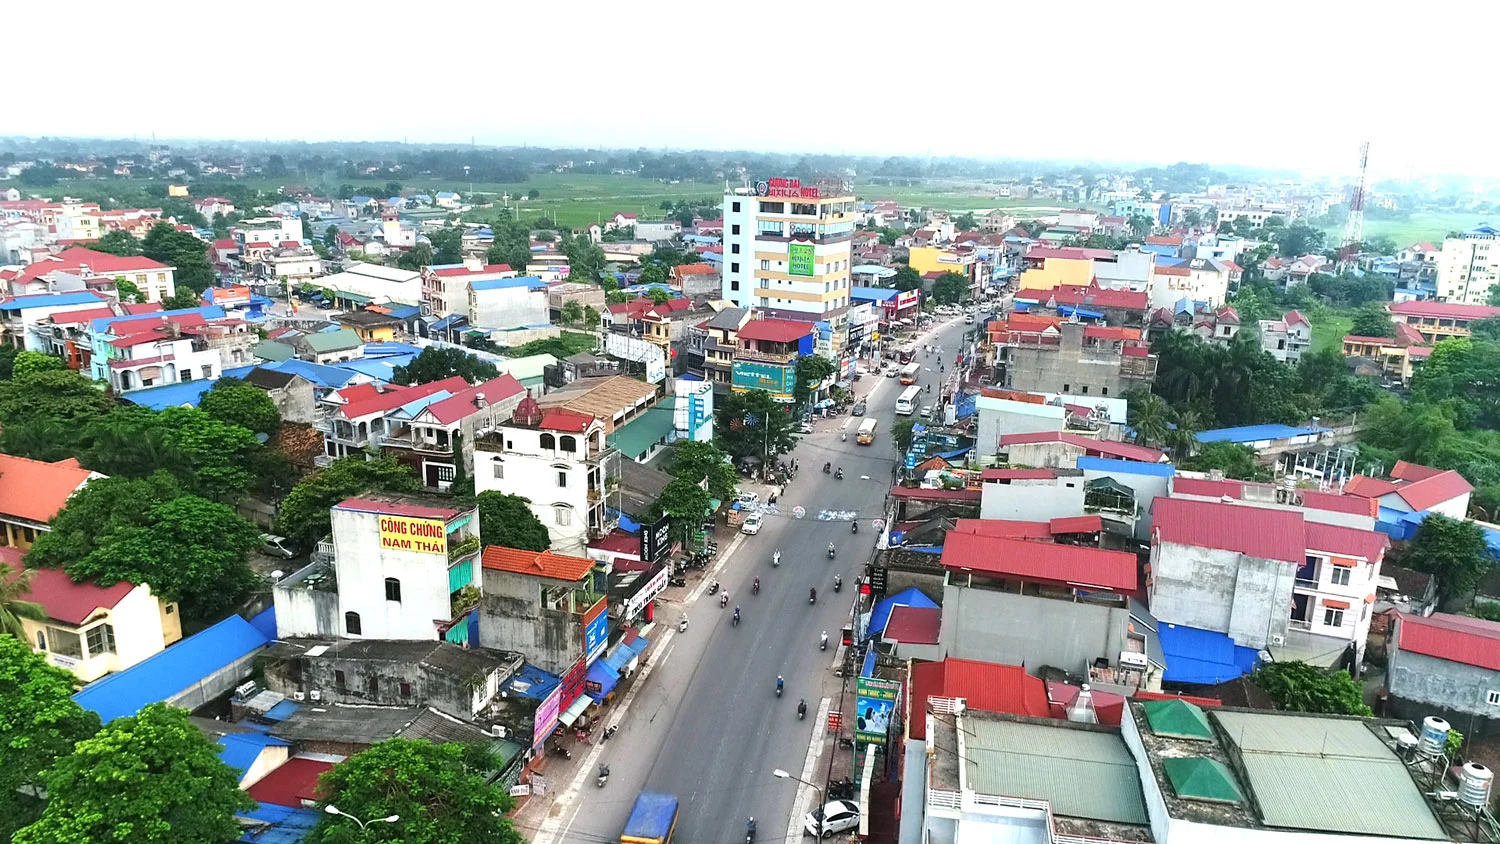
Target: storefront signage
{"points": [[595, 630], [800, 259], [908, 299], [877, 703], [547, 713], [637, 602], [656, 540], [786, 189], [421, 536], [878, 579], [770, 377]]}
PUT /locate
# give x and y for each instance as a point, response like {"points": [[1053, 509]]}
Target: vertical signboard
{"points": [[874, 709], [799, 259], [656, 540], [595, 630], [547, 713]]}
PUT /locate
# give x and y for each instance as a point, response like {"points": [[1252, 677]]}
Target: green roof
{"points": [[1081, 773], [1196, 778], [273, 351], [640, 434], [1178, 719], [332, 341]]}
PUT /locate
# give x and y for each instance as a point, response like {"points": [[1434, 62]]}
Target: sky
{"points": [[1295, 85]]}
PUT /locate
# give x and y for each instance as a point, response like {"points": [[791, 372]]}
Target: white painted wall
{"points": [[1032, 501], [527, 470], [362, 567]]}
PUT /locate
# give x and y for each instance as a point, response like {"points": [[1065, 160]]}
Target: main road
{"points": [[706, 724]]}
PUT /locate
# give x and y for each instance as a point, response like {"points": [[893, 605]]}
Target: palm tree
{"points": [[1148, 415], [1184, 437], [12, 607]]}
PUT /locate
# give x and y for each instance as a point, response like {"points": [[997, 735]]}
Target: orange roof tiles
{"points": [[35, 491], [536, 563]]}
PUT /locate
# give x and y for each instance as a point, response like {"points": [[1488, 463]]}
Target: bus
{"points": [[909, 373], [866, 432], [908, 353], [906, 403]]}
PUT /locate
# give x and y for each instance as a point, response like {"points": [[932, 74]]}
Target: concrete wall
{"points": [[1052, 455], [304, 612], [1068, 368], [137, 620], [1001, 416], [511, 618], [507, 308], [1033, 501], [1428, 682], [363, 566], [219, 683], [425, 684], [296, 401], [1023, 630], [1247, 598]]}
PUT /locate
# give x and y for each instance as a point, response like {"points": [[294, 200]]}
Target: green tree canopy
{"points": [[15, 587], [304, 511], [1467, 373], [572, 313], [235, 402], [447, 245], [118, 242], [906, 279], [39, 724], [437, 791], [1297, 239], [1234, 460], [184, 252], [811, 370], [507, 520], [966, 222], [901, 433], [1453, 551], [151, 777], [950, 288], [208, 456], [30, 363], [752, 424], [435, 364], [659, 296], [701, 461], [1373, 321], [43, 414], [8, 356], [684, 502], [417, 257], [1299, 687]]}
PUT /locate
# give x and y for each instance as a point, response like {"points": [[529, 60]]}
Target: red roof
{"points": [[914, 625], [1362, 339], [1342, 541], [1006, 528], [1111, 332], [367, 399], [618, 541], [775, 330], [985, 686], [64, 600], [1017, 474], [290, 784], [1456, 638], [1196, 701], [259, 244], [1311, 499], [1040, 561], [1441, 310], [397, 508], [1404, 471], [693, 269], [1164, 239], [461, 403], [1075, 294], [100, 263], [1295, 317], [33, 490], [225, 243], [536, 563], [1256, 531], [1077, 524], [1108, 706], [1368, 487], [1124, 451], [85, 315], [1408, 335], [1432, 491], [565, 420], [450, 272], [290, 244]]}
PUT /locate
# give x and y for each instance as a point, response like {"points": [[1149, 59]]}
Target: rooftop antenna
{"points": [[1354, 230]]}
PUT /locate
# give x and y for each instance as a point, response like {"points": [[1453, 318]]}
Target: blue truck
{"points": [[652, 820]]}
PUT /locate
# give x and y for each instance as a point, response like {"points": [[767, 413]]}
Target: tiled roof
{"points": [[461, 404], [1294, 317], [1006, 528], [1365, 486], [1111, 332], [1124, 451], [775, 330], [1255, 531], [1432, 491], [985, 686], [1072, 294], [1456, 638], [67, 601], [1443, 310], [36, 491], [1040, 561], [396, 507], [290, 784], [366, 399], [1017, 474], [1404, 471], [914, 625], [536, 563], [565, 420]]}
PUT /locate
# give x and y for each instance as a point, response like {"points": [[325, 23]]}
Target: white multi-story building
{"points": [[1469, 266], [558, 460], [1197, 280], [506, 303], [787, 252], [445, 289], [272, 230]]}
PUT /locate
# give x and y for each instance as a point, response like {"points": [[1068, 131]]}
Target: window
{"points": [[735, 229], [1085, 389], [1067, 388], [405, 690], [393, 589], [734, 284], [171, 608], [734, 267], [351, 623], [568, 443], [208, 371], [338, 682], [1333, 617], [101, 639], [548, 441], [764, 264], [65, 643], [563, 515], [41, 640], [562, 479], [734, 206], [734, 249], [1492, 698], [1339, 576], [1103, 391], [374, 686]]}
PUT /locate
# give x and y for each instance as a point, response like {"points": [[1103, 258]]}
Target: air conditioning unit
{"points": [[315, 695], [497, 731], [1278, 641], [1133, 659], [299, 696]]}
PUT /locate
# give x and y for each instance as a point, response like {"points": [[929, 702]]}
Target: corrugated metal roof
{"points": [[985, 686], [1041, 561], [1081, 773], [1330, 774], [1471, 641], [1256, 531]]}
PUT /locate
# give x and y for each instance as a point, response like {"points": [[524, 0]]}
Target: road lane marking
{"points": [[814, 752], [734, 545]]}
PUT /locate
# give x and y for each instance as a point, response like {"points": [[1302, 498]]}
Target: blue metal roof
{"points": [[240, 750], [265, 622], [1202, 656], [1065, 310], [186, 394], [403, 311], [279, 824], [322, 375], [872, 294], [912, 597], [1126, 467], [532, 682], [376, 350], [1255, 433], [51, 300], [528, 281], [381, 369], [164, 675]]}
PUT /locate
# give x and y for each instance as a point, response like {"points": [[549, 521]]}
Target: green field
{"points": [[1329, 328], [1421, 225], [963, 197]]}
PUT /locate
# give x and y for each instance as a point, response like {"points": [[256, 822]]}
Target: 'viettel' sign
{"points": [[786, 188]]}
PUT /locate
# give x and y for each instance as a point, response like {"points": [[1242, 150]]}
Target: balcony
{"points": [[464, 547], [762, 356]]}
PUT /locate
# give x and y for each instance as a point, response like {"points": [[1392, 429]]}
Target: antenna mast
{"points": [[1354, 230]]}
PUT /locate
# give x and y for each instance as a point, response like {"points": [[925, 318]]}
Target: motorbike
{"points": [[827, 467], [812, 597], [846, 741], [676, 581], [841, 789], [682, 624], [830, 550], [713, 588], [854, 527], [723, 600], [801, 709], [776, 559], [839, 475], [778, 687], [755, 587], [736, 617], [610, 730], [750, 831], [559, 750], [603, 775], [823, 643], [838, 583], [843, 436]]}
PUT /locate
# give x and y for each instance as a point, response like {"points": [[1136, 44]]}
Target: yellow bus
{"points": [[866, 432], [909, 374]]}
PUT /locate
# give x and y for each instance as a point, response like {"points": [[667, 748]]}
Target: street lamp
{"points": [[363, 825], [783, 775]]}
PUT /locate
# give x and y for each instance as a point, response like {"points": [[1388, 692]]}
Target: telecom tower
{"points": [[1354, 230]]}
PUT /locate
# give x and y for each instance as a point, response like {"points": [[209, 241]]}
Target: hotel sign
{"points": [[800, 259], [785, 189], [420, 536]]}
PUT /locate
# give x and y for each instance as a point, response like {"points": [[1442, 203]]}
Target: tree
{"points": [[901, 434], [150, 777], [705, 461], [30, 363], [1373, 321], [585, 258], [950, 288], [966, 222], [438, 791], [811, 370], [8, 356], [1183, 436], [39, 724], [659, 296], [1453, 551], [1140, 226], [1487, 329], [417, 257], [653, 273], [95, 511], [207, 456], [184, 252], [1299, 687], [533, 194], [752, 424], [392, 189], [1297, 239], [507, 520], [684, 502], [1148, 416], [128, 291], [304, 511], [235, 402], [572, 312], [331, 236], [118, 242], [42, 414], [447, 245], [14, 586], [182, 297], [590, 318], [435, 364], [906, 279], [1234, 460]]}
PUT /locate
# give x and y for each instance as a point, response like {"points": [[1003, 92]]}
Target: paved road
{"points": [[706, 724]]}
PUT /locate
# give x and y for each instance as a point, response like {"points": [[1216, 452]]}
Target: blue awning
{"points": [[949, 455], [606, 677], [1202, 656]]}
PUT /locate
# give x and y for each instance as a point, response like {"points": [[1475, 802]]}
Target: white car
{"points": [[837, 816], [751, 525]]}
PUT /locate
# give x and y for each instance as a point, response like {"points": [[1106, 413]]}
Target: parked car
{"points": [[806, 427], [893, 371], [926, 411], [278, 546], [751, 525], [859, 408], [837, 816]]}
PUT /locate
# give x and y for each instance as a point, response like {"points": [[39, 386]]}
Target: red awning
{"points": [[1338, 605], [1343, 561]]}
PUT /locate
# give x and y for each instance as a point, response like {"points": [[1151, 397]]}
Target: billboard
{"points": [[595, 630], [419, 536], [773, 378], [547, 713], [656, 540], [799, 259], [875, 706]]}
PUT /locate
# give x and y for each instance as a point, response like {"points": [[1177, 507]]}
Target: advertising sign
{"points": [[799, 259], [872, 714], [656, 540], [773, 378], [879, 578], [595, 630], [908, 299], [637, 602], [547, 713], [785, 189], [406, 533]]}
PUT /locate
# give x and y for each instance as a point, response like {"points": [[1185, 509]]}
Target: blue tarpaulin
{"points": [[1068, 310], [605, 677], [912, 597], [1202, 656], [532, 682]]}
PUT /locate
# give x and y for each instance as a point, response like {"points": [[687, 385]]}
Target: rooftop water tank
{"points": [[1474, 782], [1434, 736]]}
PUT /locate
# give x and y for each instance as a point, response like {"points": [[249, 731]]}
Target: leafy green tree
{"points": [[39, 724], [533, 194], [901, 433], [684, 502], [42, 415], [1297, 239], [97, 510], [208, 456], [447, 245], [184, 252], [950, 288], [585, 258], [1373, 321], [14, 606], [30, 363], [1466, 373], [906, 279], [435, 364], [1234, 460], [572, 312], [118, 242], [182, 297], [659, 296], [1140, 226], [1148, 416], [507, 520], [417, 257], [304, 511], [150, 777], [811, 370], [1299, 687], [590, 318], [1487, 329], [1183, 436], [1453, 551], [8, 361], [235, 402], [702, 461], [966, 222], [752, 424], [128, 291], [331, 236], [438, 792], [653, 274]]}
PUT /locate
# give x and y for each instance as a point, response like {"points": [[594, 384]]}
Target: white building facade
{"points": [[1469, 266]]}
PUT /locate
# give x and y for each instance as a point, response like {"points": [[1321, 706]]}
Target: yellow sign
{"points": [[420, 536]]}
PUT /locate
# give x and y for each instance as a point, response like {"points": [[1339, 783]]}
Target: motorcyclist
{"points": [[750, 828], [736, 615], [812, 596], [830, 549], [929, 388], [779, 684], [843, 436], [840, 473], [854, 526], [801, 707], [838, 583], [776, 558], [824, 641], [724, 598], [826, 467], [755, 587]]}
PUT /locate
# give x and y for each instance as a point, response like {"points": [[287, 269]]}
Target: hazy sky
{"points": [[1281, 84]]}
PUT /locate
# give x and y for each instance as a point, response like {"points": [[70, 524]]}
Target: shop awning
{"points": [[1338, 605], [601, 680], [571, 713]]}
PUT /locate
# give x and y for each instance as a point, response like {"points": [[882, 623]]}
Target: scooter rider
{"points": [[736, 615], [779, 684], [830, 549], [801, 707], [812, 596], [838, 582], [854, 526], [724, 599], [776, 558], [755, 587], [823, 643]]}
